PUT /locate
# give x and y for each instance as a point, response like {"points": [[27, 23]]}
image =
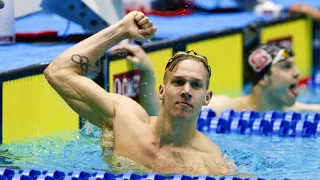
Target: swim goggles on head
{"points": [[282, 55], [202, 58]]}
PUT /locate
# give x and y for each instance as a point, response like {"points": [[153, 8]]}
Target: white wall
{"points": [[109, 10], [25, 7], [114, 13]]}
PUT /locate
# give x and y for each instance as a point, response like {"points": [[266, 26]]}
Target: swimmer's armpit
{"points": [[82, 60]]}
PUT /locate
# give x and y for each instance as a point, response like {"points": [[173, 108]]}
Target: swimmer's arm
{"points": [[214, 160], [217, 164], [315, 14], [222, 164], [301, 107], [226, 166], [65, 74], [306, 10], [148, 97]]}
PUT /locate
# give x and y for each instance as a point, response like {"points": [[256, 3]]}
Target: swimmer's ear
{"points": [[161, 91], [208, 98], [264, 81]]}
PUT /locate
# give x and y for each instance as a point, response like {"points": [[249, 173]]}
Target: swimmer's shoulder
{"points": [[212, 156], [204, 144], [219, 103], [241, 103]]}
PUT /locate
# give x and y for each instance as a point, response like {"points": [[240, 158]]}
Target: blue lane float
{"points": [[54, 173], [70, 178], [30, 172], [19, 177], [254, 178], [102, 175], [94, 178], [205, 118], [179, 177], [270, 115], [129, 175], [203, 177], [79, 174], [230, 178], [44, 177], [218, 125], [153, 176], [270, 123], [279, 127], [6, 172], [259, 127]]}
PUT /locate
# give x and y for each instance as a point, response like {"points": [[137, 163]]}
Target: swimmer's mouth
{"points": [[184, 103], [294, 89]]}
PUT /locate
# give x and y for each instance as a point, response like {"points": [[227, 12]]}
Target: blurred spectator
{"points": [[306, 10], [1, 4], [247, 5]]}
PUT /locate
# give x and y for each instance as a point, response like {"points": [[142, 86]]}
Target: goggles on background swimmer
{"points": [[202, 58], [282, 55]]}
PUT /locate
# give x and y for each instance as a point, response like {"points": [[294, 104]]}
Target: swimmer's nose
{"points": [[186, 92], [296, 72]]}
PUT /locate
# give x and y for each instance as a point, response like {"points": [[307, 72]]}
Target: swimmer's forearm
{"points": [[80, 57], [148, 98], [301, 107], [147, 79], [314, 107], [314, 13]]}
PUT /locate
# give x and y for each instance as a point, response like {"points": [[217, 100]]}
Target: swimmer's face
{"points": [[282, 82], [185, 92]]}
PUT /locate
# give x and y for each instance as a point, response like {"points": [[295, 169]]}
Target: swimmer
{"points": [[166, 143], [274, 77]]}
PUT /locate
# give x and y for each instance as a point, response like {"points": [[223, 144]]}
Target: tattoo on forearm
{"points": [[177, 157], [82, 60]]}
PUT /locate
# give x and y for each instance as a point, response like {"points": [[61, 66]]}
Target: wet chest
{"points": [[180, 161]]}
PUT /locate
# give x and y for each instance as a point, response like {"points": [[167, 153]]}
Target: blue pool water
{"points": [[272, 157], [64, 151], [265, 156], [268, 157]]}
